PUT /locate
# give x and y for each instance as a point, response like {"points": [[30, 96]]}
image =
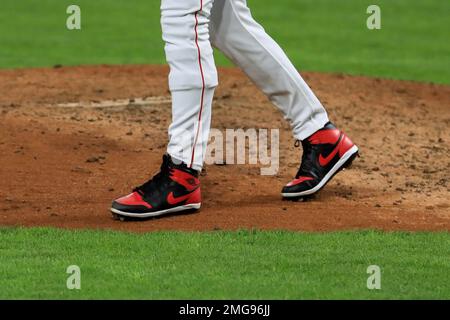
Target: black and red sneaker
{"points": [[325, 153], [175, 188]]}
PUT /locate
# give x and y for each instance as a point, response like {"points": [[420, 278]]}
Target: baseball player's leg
{"points": [[234, 32], [326, 149], [192, 79]]}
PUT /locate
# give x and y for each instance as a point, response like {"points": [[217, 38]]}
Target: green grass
{"points": [[320, 35], [223, 265]]}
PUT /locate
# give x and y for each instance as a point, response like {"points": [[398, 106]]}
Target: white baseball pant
{"points": [[190, 29]]}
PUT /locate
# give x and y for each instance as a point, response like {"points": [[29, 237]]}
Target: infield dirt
{"points": [[74, 138]]}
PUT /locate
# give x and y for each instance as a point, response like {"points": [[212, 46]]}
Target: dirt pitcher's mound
{"points": [[73, 139]]}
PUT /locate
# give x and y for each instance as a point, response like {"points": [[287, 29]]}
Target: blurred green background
{"points": [[319, 35]]}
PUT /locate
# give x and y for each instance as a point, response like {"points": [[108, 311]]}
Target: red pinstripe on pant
{"points": [[203, 83]]}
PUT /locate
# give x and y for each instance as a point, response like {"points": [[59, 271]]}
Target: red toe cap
{"points": [[133, 199], [298, 181]]}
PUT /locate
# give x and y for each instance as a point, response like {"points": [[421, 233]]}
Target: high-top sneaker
{"points": [[175, 188], [325, 153]]}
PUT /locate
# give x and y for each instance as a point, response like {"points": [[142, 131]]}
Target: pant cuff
{"points": [[195, 166], [310, 127]]}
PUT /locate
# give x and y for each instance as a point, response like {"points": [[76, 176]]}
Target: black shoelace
{"points": [[306, 165], [157, 180]]}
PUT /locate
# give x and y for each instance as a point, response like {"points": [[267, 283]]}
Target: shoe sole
{"points": [[121, 215], [344, 162]]}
